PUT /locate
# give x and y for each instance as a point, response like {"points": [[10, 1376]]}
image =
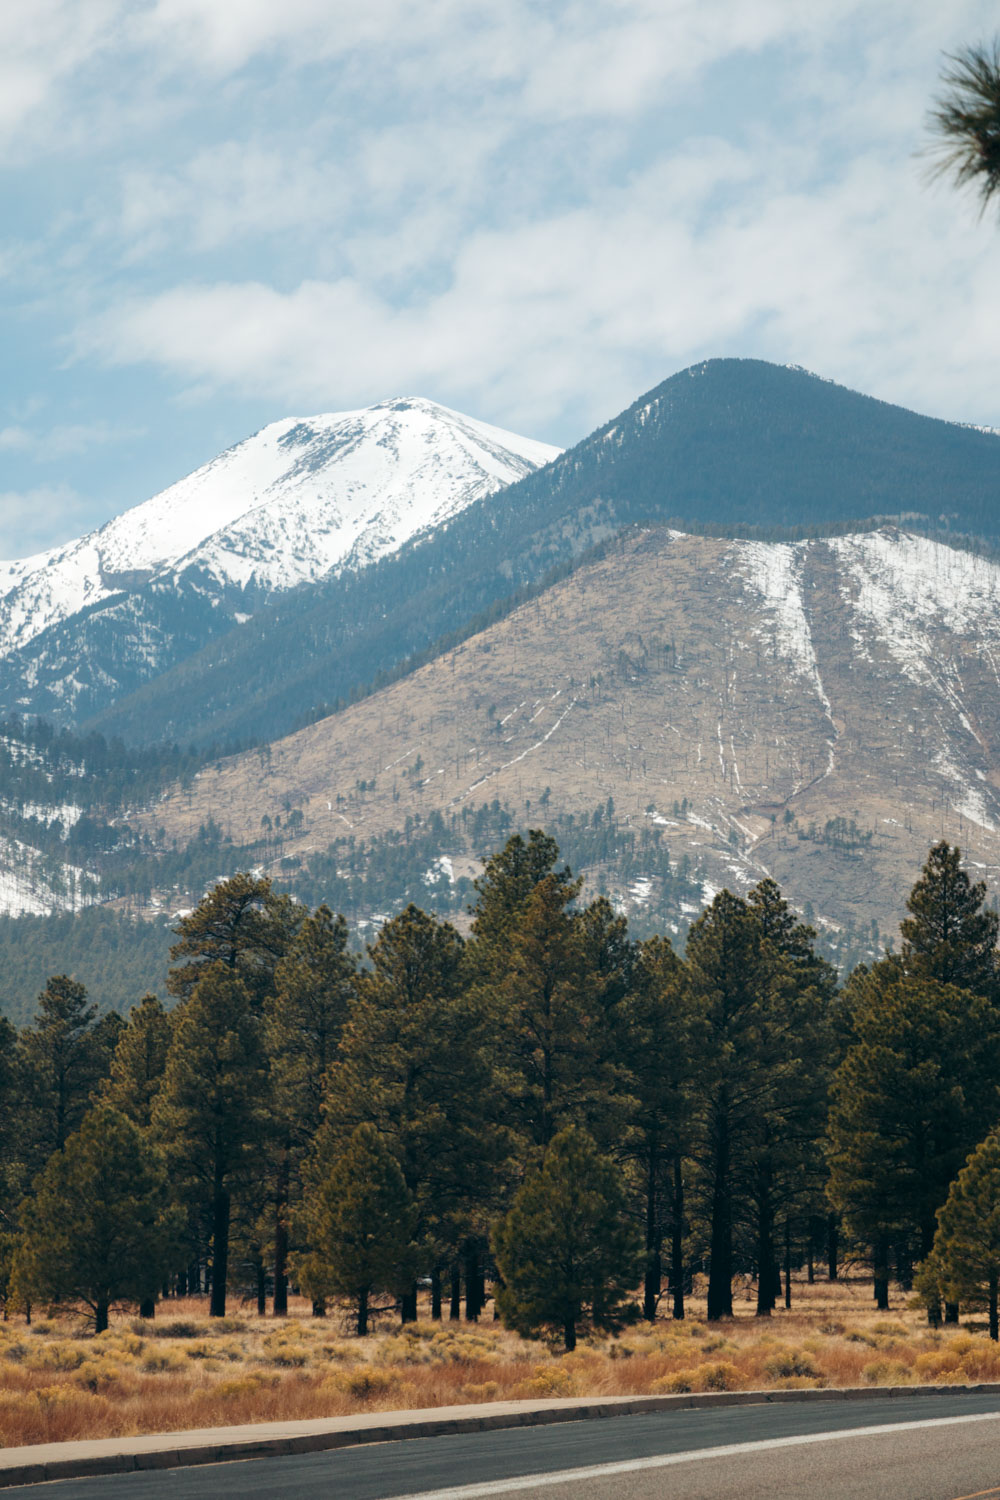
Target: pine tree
{"points": [[362, 1220], [210, 1113], [795, 1053], [509, 877], [98, 1228], [966, 1253], [314, 986], [566, 1248], [949, 936], [908, 1102], [657, 1044], [64, 1058], [243, 924], [411, 1063], [139, 1061], [730, 975]]}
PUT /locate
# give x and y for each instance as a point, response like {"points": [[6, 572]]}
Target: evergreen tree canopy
{"points": [[908, 1102], [65, 1057], [948, 935], [139, 1060], [98, 1229], [244, 924], [361, 1223], [210, 1113], [967, 1245], [566, 1249]]}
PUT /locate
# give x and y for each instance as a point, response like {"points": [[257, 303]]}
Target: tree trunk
{"points": [[951, 1310], [654, 1240], [436, 1294], [408, 1304], [472, 1307], [832, 1246], [362, 1312], [220, 1251], [882, 1273], [182, 1283], [720, 1271], [455, 1306], [788, 1264], [319, 1307], [100, 1317], [765, 1241], [281, 1241], [147, 1307], [569, 1335], [994, 1328], [810, 1247], [261, 1287], [677, 1242]]}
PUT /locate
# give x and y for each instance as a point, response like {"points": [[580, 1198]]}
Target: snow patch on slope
{"points": [[900, 583], [774, 570]]}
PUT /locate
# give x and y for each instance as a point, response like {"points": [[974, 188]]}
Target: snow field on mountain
{"points": [[298, 500]]}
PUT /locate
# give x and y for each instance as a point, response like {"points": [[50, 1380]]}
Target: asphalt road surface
{"points": [[925, 1448]]}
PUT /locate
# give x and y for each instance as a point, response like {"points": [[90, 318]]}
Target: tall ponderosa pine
{"points": [[411, 1064], [314, 986], [361, 1222], [908, 1102], [211, 1111], [949, 936], [566, 1249], [729, 974], [795, 1055], [98, 1227], [657, 1045]]}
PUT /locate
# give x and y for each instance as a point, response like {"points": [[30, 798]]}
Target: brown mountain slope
{"points": [[820, 712]]}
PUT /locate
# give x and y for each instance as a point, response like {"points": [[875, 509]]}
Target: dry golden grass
{"points": [[184, 1370]]}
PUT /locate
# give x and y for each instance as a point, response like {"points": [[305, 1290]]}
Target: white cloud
{"points": [[717, 250]]}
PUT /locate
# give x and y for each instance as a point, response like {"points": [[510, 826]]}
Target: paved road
{"points": [[922, 1457]]}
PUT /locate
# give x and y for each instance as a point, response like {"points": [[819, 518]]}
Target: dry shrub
{"points": [[488, 1391], [786, 1363], [62, 1355], [548, 1381], [99, 1375], [366, 1383], [178, 1329], [676, 1384], [160, 1361], [718, 1377], [887, 1372], [888, 1329]]}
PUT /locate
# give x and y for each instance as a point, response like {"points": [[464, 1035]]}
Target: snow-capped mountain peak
{"points": [[301, 498]]}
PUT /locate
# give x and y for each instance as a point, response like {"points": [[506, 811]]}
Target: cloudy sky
{"points": [[220, 212]]}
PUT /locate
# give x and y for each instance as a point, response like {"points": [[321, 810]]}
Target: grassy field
{"points": [[183, 1370]]}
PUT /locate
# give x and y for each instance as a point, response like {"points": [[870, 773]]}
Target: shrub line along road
{"points": [[832, 1446]]}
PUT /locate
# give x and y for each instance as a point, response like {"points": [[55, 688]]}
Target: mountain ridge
{"points": [[725, 443]]}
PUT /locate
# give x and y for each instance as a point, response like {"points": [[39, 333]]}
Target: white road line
{"points": [[664, 1460]]}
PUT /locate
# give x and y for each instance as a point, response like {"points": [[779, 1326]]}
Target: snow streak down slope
{"points": [[820, 711], [301, 499]]}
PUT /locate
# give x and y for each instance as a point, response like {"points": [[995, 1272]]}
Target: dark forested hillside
{"points": [[730, 444]]}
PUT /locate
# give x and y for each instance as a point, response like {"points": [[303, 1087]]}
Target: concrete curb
{"points": [[171, 1450]]}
